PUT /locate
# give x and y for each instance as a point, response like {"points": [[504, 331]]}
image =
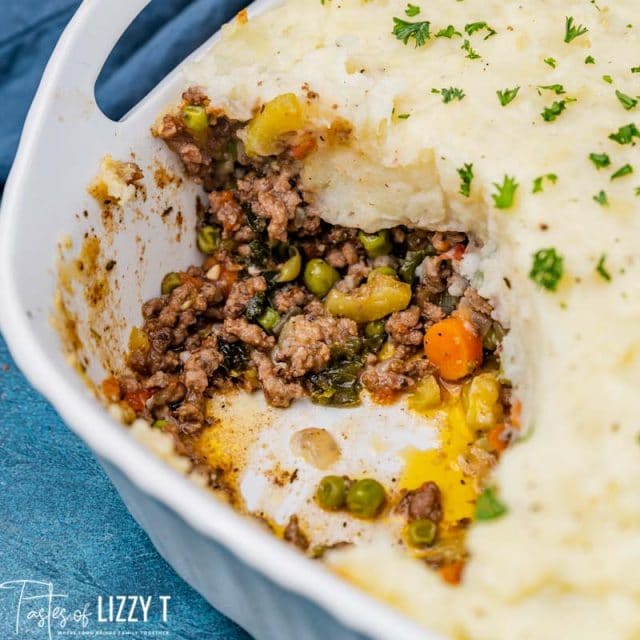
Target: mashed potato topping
{"points": [[551, 166]]}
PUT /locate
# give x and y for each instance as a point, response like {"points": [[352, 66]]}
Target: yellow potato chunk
{"points": [[381, 295], [264, 134], [426, 395], [482, 401]]}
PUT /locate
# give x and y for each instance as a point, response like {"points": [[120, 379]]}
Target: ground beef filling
{"points": [[286, 304], [251, 316]]}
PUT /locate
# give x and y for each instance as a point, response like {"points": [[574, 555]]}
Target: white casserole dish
{"points": [[266, 587]]}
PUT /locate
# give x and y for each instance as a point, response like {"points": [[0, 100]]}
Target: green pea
{"points": [[385, 271], [170, 282], [195, 118], [209, 239], [366, 498], [377, 244], [290, 270], [375, 329], [331, 493], [319, 277], [269, 319], [159, 424], [422, 533]]}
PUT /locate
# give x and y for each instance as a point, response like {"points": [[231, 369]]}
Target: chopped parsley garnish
{"points": [[450, 94], [573, 31], [503, 198], [626, 101], [547, 269], [626, 134], [466, 178], [537, 183], [600, 160], [608, 79], [488, 507], [549, 114], [551, 62], [589, 60], [635, 69], [448, 32], [601, 198], [471, 28], [404, 116], [404, 31], [601, 269], [471, 53], [412, 10], [507, 95], [626, 170], [558, 89]]}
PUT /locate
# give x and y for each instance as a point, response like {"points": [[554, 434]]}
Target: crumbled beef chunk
{"points": [[227, 212], [344, 255], [442, 242], [306, 222], [404, 327], [278, 392], [306, 340], [195, 96], [433, 273], [200, 365], [250, 334], [398, 373], [274, 196], [476, 310], [424, 503], [294, 534], [289, 298], [241, 293]]}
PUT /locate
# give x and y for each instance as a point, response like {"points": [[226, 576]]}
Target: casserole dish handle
{"points": [[85, 46]]}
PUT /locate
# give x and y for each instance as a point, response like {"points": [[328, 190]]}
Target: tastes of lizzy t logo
{"points": [[34, 609]]}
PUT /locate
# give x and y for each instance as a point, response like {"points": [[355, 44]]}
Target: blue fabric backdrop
{"points": [[61, 520]]}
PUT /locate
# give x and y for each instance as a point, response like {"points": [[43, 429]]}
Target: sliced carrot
{"points": [[458, 252], [111, 389], [137, 399], [452, 573], [516, 414], [453, 349], [496, 438], [303, 148]]}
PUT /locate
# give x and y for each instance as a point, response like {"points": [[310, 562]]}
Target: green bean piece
{"points": [[488, 507], [422, 533], [195, 118], [290, 270], [376, 244], [319, 277], [331, 494], [493, 337], [209, 239], [269, 319], [366, 498], [160, 424], [170, 282], [387, 271], [412, 261]]}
